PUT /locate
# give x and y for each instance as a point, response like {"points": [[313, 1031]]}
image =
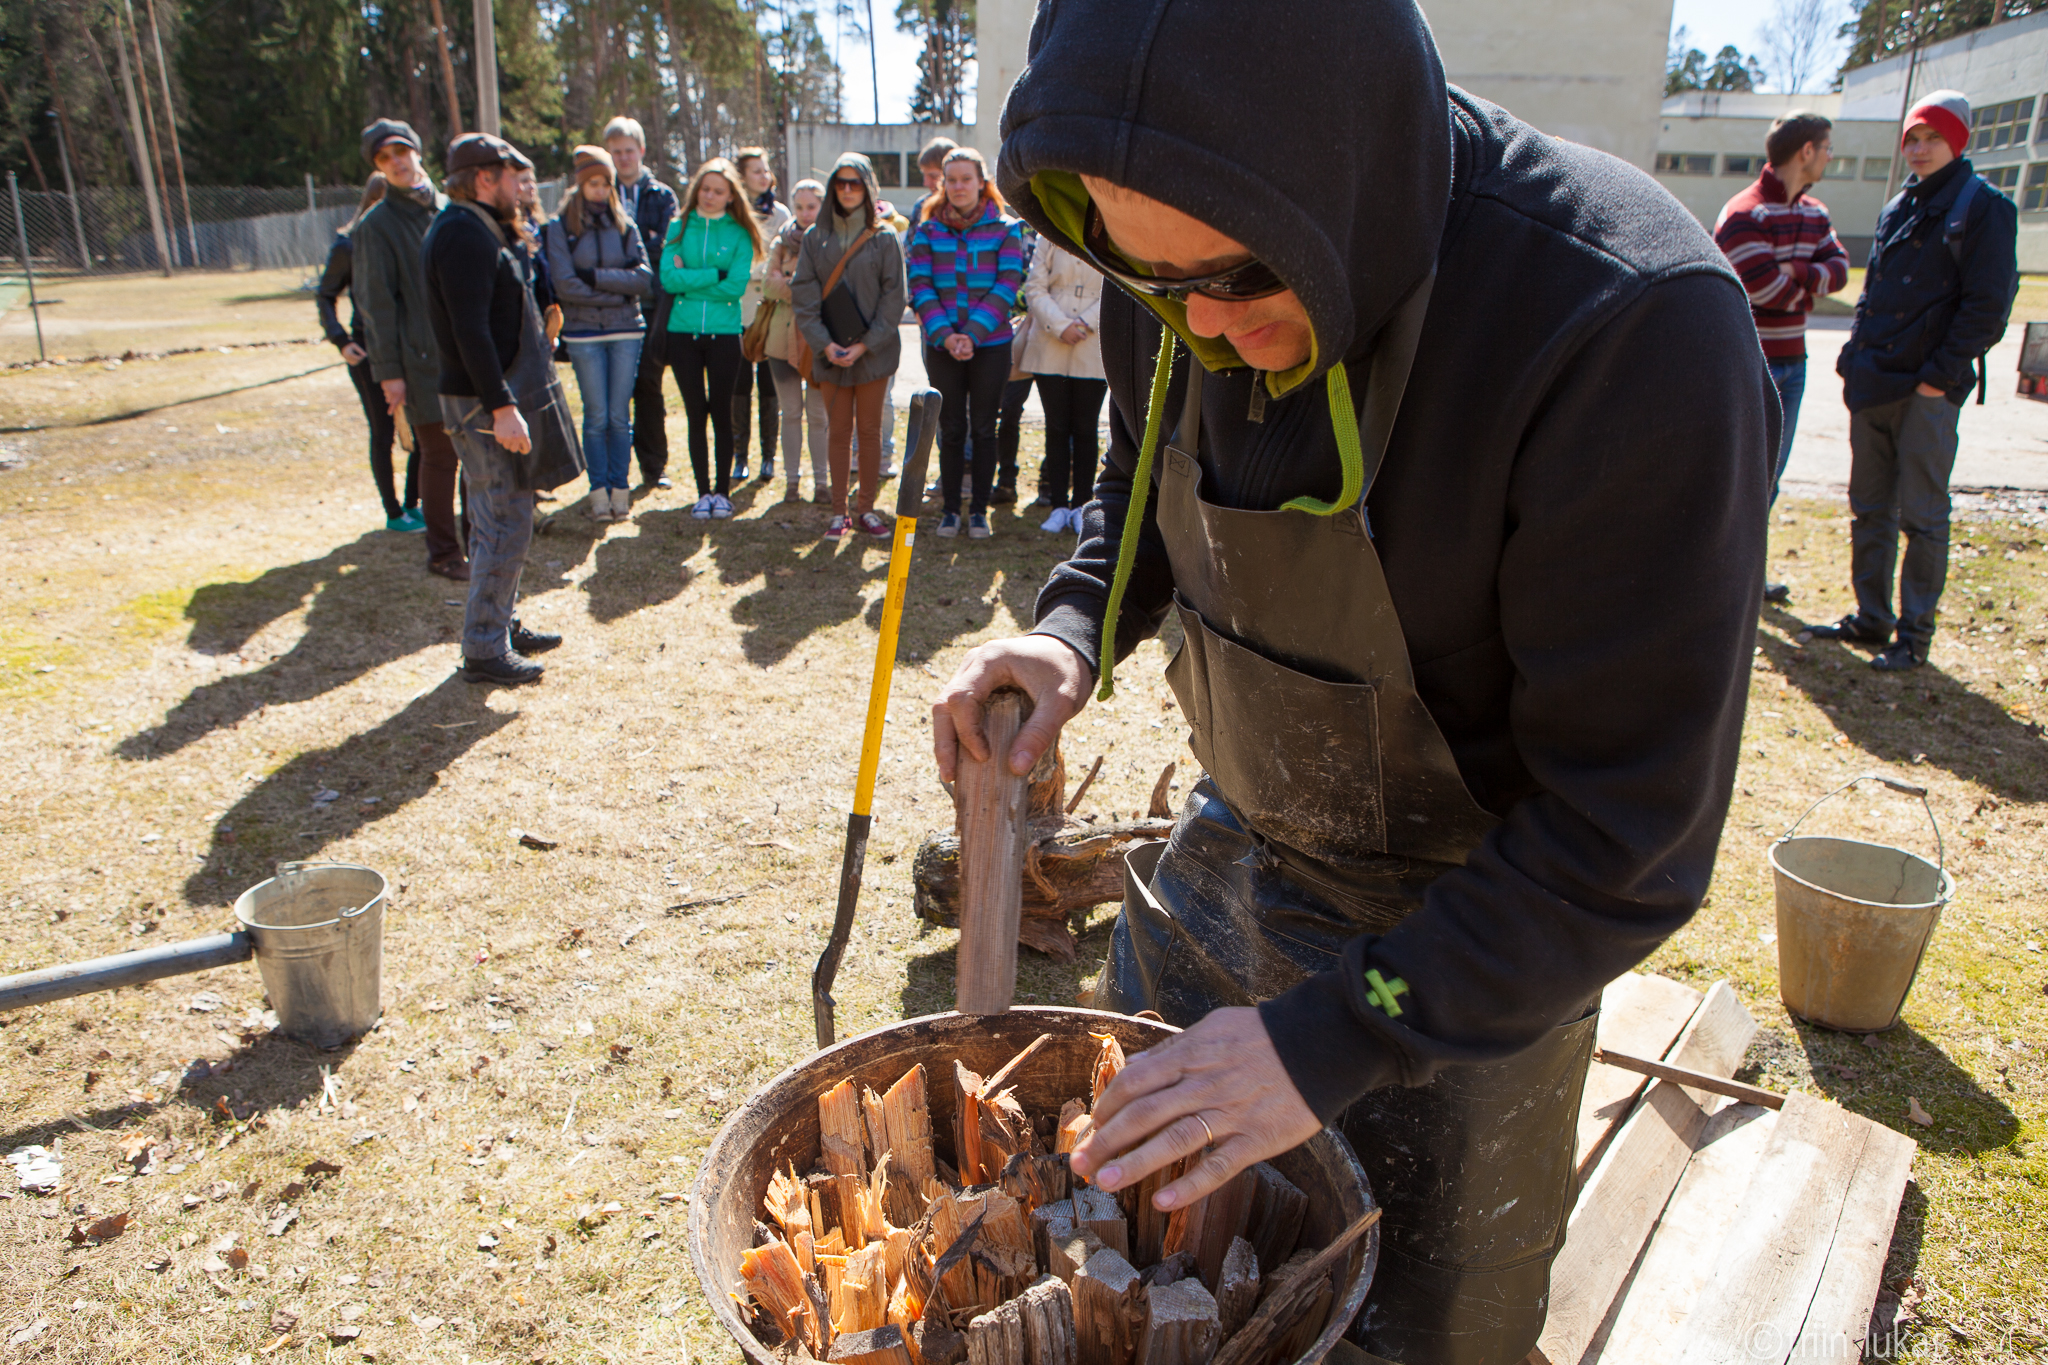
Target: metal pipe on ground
{"points": [[124, 969]]}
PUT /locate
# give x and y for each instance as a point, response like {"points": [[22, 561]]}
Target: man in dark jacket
{"points": [[650, 204], [391, 296], [1462, 519], [1943, 271], [477, 300]]}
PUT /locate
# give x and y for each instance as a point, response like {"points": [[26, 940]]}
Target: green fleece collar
{"points": [[1065, 200]]}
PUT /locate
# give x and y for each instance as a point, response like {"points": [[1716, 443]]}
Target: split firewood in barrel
{"points": [[905, 1132], [951, 1214], [897, 1252], [1109, 1060], [1047, 1308], [1277, 1210], [1068, 1249], [1059, 1213], [775, 1281], [1007, 1262], [1238, 1294], [997, 1337], [1074, 1125], [935, 1342], [1206, 1227], [788, 1203], [1182, 1325], [842, 1149], [1294, 1302], [1171, 1270], [1069, 867], [989, 1128], [1098, 1212], [1148, 1222], [884, 1345], [1109, 1310], [831, 1273], [862, 1302], [1033, 1179]]}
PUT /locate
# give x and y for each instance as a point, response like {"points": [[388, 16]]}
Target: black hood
{"points": [[1318, 135]]}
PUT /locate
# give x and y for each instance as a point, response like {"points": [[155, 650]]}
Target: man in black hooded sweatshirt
{"points": [[1460, 506]]}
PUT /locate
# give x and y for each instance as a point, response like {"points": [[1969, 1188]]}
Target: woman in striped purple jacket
{"points": [[964, 265]]}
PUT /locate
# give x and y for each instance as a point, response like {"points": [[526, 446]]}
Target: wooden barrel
{"points": [[779, 1125]]}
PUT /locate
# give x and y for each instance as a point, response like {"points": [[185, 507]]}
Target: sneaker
{"points": [[872, 523], [1004, 496], [659, 481], [1897, 657], [821, 492], [526, 641], [767, 471], [721, 506], [977, 527], [739, 471], [702, 508], [837, 526], [1062, 519], [454, 567], [599, 507], [409, 521], [949, 525], [622, 504], [888, 466], [1778, 593], [1850, 628], [510, 669]]}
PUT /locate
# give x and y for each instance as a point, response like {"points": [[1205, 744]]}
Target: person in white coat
{"points": [[1064, 354]]}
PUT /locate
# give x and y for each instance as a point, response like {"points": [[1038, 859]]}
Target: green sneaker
{"points": [[410, 521]]}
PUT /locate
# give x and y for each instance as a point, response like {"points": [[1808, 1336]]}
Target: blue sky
{"points": [[1714, 23], [895, 55]]}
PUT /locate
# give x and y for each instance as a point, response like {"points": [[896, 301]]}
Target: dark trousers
{"points": [[970, 393], [650, 419], [1010, 429], [752, 378], [1072, 408], [1900, 458], [707, 367], [501, 524], [439, 470], [383, 434]]}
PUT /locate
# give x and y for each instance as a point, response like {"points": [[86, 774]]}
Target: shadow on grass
{"points": [[1876, 1078], [1041, 980], [1938, 716], [375, 773]]}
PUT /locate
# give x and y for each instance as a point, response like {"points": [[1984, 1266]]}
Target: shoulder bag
{"points": [[801, 355]]}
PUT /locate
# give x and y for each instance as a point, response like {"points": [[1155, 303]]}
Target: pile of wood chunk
{"points": [[886, 1255]]}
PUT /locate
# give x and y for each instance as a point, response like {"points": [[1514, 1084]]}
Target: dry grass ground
{"points": [[200, 633]]}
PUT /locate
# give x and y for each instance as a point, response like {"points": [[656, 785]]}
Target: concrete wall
{"points": [[813, 147]]}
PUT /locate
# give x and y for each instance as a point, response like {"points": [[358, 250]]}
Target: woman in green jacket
{"points": [[705, 264]]}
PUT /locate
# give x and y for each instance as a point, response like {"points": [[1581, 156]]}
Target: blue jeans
{"points": [[1790, 378], [605, 372]]}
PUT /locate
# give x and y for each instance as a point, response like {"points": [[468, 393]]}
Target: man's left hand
{"points": [[1223, 1069], [510, 429]]}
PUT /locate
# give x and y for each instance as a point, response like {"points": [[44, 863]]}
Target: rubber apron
{"points": [[1330, 802]]}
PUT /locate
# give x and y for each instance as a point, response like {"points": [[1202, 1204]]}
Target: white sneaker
{"points": [[721, 506], [1060, 520], [701, 510]]}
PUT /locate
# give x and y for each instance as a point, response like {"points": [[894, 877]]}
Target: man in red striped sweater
{"points": [[1781, 243]]}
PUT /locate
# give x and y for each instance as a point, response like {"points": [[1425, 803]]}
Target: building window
{"points": [[1742, 165], [1877, 168], [1685, 163], [2003, 178], [1841, 168], [888, 168], [2036, 196], [2001, 125]]}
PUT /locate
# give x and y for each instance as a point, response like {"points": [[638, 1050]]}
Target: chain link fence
{"points": [[107, 231]]}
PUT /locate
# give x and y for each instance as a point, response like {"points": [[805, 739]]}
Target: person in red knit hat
{"points": [[1939, 289], [1781, 243]]}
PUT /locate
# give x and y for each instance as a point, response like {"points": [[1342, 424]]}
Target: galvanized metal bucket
{"points": [[1854, 920], [319, 931]]}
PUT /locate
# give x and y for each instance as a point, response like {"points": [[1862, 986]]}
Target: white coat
{"points": [[1062, 289]]}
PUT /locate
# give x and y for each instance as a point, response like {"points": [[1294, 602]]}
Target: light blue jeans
{"points": [[605, 371], [1789, 377]]}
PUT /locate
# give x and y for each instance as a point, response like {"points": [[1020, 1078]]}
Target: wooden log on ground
{"points": [[1182, 1325], [1097, 1211], [1238, 1293], [884, 1345], [1109, 1310], [997, 1337], [994, 830], [1047, 1308], [1277, 1210], [1068, 867]]}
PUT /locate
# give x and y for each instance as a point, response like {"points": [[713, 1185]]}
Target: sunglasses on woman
{"points": [[1252, 280]]}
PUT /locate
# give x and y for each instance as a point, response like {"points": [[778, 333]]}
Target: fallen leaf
{"points": [[158, 1262], [226, 1243], [283, 1220], [318, 1168], [193, 1201], [621, 1051], [135, 1148], [290, 1193], [99, 1229], [39, 1171], [650, 1234], [249, 1190], [1915, 1114], [283, 1320], [342, 1336], [29, 1333], [409, 1104], [535, 841], [206, 1002], [237, 1258], [485, 1241], [219, 1190], [426, 1324]]}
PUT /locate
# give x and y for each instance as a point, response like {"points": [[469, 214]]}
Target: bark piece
{"points": [[1074, 1125], [1047, 1308], [996, 1337], [1206, 1227], [994, 831], [1161, 805], [906, 1123], [1238, 1294], [1277, 1210], [1182, 1325], [1109, 1310], [938, 1344], [884, 1345], [1097, 1211]]}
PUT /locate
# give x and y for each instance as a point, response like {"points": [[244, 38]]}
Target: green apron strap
{"points": [[1134, 514]]}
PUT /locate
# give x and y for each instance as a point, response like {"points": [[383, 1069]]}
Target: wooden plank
{"points": [[1620, 1204], [1639, 1014], [1839, 1320], [994, 829], [1182, 1325], [1109, 1309], [1770, 1265], [1686, 1245]]}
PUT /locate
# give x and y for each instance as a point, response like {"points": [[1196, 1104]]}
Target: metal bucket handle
{"points": [[348, 913], [1902, 788]]}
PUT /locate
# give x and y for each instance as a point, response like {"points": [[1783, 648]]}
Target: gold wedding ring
{"points": [[1206, 1131]]}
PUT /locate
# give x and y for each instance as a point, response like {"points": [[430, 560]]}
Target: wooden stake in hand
{"points": [[994, 830]]}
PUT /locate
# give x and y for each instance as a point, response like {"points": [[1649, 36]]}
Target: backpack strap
{"points": [[1959, 217]]}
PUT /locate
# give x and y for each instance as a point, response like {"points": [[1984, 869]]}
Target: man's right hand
{"points": [[1046, 669], [354, 354], [510, 429], [394, 395]]}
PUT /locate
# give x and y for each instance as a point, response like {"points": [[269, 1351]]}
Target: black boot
{"points": [[1850, 628], [1897, 657], [526, 641], [509, 669]]}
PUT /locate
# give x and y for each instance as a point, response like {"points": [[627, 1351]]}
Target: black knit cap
{"points": [[386, 130], [481, 149]]}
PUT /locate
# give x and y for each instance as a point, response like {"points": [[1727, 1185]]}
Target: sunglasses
{"points": [[849, 184], [1252, 280]]}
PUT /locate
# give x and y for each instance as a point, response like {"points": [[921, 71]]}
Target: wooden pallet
{"points": [[1708, 1230]]}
